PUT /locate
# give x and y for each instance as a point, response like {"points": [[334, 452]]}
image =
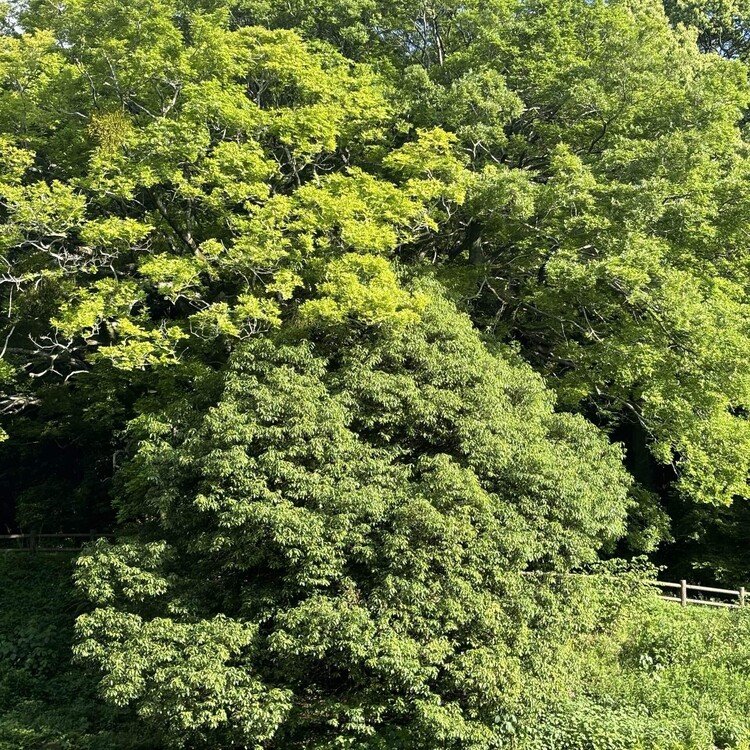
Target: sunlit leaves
{"points": [[361, 289]]}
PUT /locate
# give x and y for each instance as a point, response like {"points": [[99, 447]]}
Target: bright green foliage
{"points": [[659, 677], [235, 240], [362, 288], [201, 197], [353, 520], [623, 268], [176, 180], [606, 199], [188, 676]]}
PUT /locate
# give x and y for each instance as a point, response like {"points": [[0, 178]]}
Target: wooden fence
{"points": [[45, 542], [739, 595], [685, 588], [72, 543]]}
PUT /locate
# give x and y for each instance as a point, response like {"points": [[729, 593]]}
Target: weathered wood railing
{"points": [[684, 588], [60, 542]]}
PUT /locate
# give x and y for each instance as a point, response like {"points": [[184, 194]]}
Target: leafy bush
{"points": [[658, 677], [47, 703]]}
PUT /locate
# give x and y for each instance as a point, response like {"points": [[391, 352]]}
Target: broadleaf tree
{"points": [[311, 303], [340, 536]]}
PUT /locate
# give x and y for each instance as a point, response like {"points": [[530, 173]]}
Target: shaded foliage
{"points": [[338, 534]]}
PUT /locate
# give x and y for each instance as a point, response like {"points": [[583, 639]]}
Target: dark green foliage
{"points": [[722, 26], [339, 531], [46, 703], [614, 670], [312, 301]]}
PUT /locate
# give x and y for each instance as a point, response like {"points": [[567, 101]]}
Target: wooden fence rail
{"points": [[53, 542], [685, 587], [33, 543]]}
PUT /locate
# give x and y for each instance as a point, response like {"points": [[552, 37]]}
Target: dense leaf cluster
{"points": [[339, 312], [337, 536]]}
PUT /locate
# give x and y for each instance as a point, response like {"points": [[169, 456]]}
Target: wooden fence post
{"points": [[742, 596], [683, 592]]}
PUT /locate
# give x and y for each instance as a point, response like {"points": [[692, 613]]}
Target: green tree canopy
{"points": [[323, 556], [605, 213], [316, 298], [722, 25], [173, 185], [176, 180]]}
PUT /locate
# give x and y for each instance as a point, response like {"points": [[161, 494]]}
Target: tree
{"points": [[172, 186], [324, 557], [604, 213], [240, 243], [168, 170], [722, 25]]}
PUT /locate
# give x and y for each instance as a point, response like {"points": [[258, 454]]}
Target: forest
{"points": [[385, 353]]}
